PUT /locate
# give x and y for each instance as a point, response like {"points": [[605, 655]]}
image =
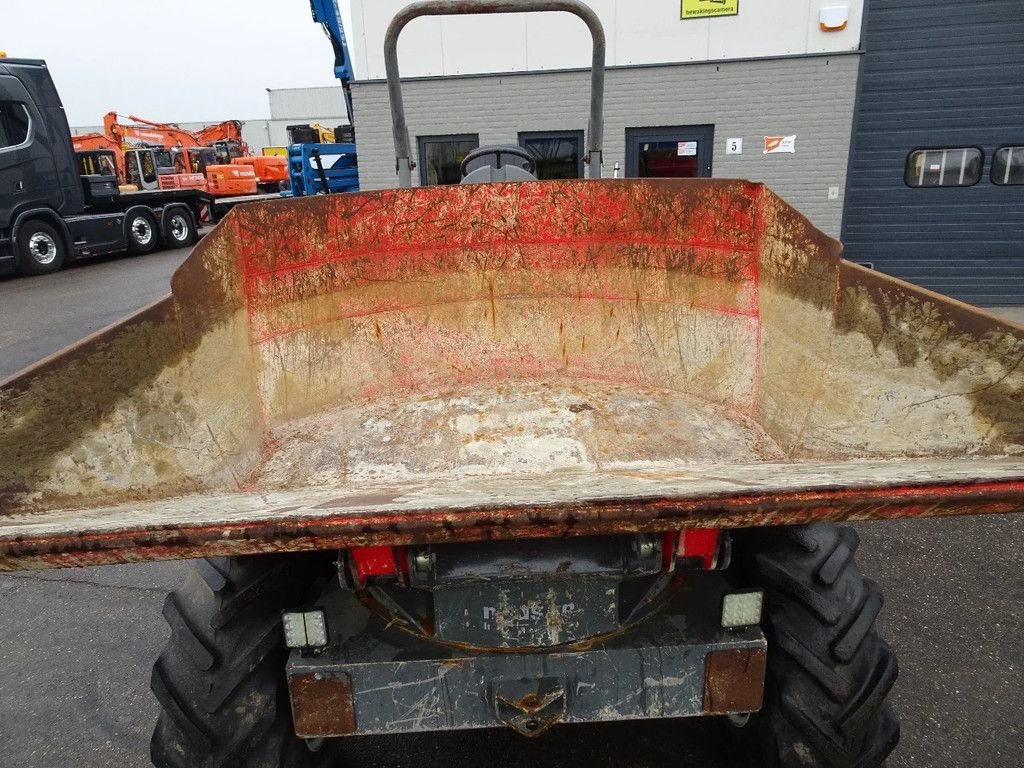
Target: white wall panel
{"points": [[779, 27], [638, 32]]}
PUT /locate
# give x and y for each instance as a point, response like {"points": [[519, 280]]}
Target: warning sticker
{"points": [[702, 9], [778, 144]]}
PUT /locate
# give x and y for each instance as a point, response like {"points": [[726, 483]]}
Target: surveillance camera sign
{"points": [[702, 9]]}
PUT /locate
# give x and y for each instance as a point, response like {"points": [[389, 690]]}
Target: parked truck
{"points": [[55, 207], [515, 453], [49, 213]]}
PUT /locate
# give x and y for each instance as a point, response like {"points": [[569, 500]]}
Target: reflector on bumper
{"points": [[734, 680]]}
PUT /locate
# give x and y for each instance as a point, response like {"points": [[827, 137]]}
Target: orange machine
{"points": [[90, 141], [231, 180], [216, 151], [201, 160], [200, 167], [147, 132], [271, 170], [226, 138], [138, 167]]}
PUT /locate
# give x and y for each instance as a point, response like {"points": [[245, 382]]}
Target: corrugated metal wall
{"points": [[811, 97], [938, 73]]}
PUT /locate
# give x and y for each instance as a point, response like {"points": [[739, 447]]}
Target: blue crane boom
{"points": [[328, 15]]}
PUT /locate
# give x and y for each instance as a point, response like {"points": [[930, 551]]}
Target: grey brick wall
{"points": [[811, 97]]}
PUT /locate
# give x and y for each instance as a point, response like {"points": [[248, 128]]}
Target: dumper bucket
{"points": [[515, 360]]}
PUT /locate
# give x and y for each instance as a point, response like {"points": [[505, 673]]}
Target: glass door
{"points": [[674, 152], [557, 154]]}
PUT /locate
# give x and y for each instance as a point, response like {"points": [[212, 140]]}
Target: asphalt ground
{"points": [[76, 646]]}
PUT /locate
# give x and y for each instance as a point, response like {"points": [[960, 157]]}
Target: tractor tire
{"points": [[828, 671], [220, 681], [39, 248]]}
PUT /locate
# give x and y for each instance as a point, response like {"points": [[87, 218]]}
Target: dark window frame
{"points": [[1016, 148], [915, 150], [703, 133], [28, 125], [422, 141], [578, 136]]}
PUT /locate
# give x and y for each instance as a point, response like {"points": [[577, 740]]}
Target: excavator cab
{"points": [[144, 165], [227, 150], [97, 169], [96, 162], [193, 159]]}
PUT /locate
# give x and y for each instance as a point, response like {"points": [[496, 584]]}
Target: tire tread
{"points": [[829, 679], [220, 681]]}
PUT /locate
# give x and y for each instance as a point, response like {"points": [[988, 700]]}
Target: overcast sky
{"points": [[181, 61]]}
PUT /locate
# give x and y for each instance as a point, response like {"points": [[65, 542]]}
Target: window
{"points": [[948, 167], [163, 159], [139, 168], [14, 124], [96, 163], [669, 152], [558, 155], [148, 168], [180, 162], [441, 156], [200, 158], [1008, 166]]}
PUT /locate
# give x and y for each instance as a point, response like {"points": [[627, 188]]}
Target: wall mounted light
{"points": [[834, 18]]}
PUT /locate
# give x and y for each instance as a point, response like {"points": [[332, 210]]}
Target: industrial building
{"points": [[684, 96], [935, 190], [894, 125]]}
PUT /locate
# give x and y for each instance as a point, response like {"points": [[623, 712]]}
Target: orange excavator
{"points": [[97, 142], [214, 158], [226, 139], [138, 167]]}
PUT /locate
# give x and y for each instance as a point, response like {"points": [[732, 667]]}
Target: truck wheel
{"points": [[220, 680], [39, 249], [828, 671], [179, 229], [141, 230]]}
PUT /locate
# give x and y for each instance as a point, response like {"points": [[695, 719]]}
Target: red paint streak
{"points": [[668, 550], [265, 431], [380, 253]]}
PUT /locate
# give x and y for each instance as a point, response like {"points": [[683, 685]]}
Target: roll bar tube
{"points": [[403, 153]]}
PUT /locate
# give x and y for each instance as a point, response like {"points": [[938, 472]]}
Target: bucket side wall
{"points": [[857, 364], [163, 403]]}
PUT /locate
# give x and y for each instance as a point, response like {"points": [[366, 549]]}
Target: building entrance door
{"points": [[673, 152]]}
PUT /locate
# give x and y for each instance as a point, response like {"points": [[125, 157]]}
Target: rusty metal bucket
{"points": [[496, 361]]}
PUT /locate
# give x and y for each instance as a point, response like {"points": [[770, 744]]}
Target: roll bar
{"points": [[595, 132]]}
